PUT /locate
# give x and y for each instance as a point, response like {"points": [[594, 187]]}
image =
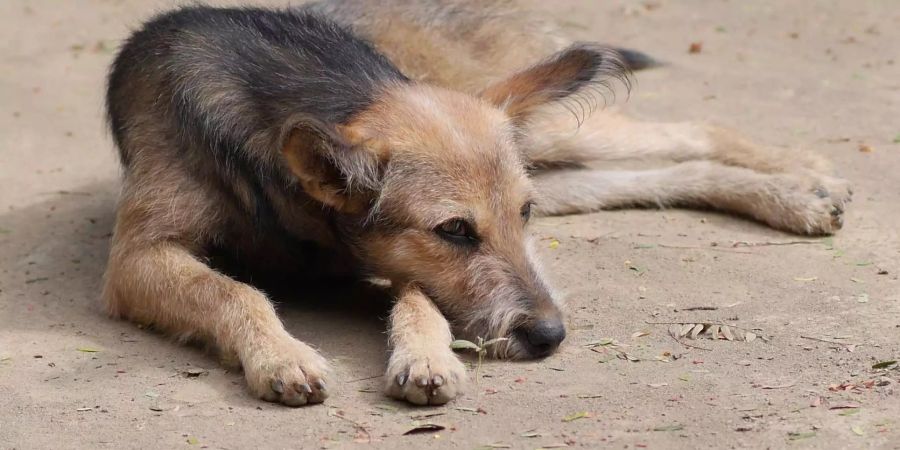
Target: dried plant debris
{"points": [[885, 364], [420, 428], [712, 330]]}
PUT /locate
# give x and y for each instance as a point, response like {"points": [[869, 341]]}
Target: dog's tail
{"points": [[636, 60]]}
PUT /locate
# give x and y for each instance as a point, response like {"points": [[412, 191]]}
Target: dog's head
{"points": [[437, 180]]}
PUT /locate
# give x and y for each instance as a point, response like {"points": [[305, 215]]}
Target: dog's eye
{"points": [[457, 231], [526, 211]]}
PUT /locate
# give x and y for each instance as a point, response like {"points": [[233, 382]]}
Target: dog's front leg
{"points": [[165, 285], [422, 370]]}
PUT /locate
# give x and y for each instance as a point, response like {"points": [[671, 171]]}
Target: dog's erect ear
{"points": [[329, 168], [575, 70]]}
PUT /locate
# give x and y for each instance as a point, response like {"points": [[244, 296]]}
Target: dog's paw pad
{"points": [[425, 379]]}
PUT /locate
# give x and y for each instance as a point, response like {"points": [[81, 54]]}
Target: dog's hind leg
{"points": [[553, 138], [422, 369], [799, 203], [156, 276]]}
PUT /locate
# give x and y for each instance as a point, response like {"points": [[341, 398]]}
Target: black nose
{"points": [[543, 337]]}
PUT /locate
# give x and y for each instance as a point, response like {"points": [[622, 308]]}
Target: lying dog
{"points": [[410, 141]]}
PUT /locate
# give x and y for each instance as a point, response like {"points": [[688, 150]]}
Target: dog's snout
{"points": [[543, 337]]}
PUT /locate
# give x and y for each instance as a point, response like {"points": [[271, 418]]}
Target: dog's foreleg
{"points": [[800, 203], [607, 136], [422, 368], [164, 285]]}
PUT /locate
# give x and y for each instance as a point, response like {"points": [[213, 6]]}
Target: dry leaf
{"points": [[726, 331], [845, 406], [749, 336], [685, 329], [884, 364], [194, 372], [806, 279], [425, 428], [714, 332], [798, 436], [576, 416], [697, 330]]}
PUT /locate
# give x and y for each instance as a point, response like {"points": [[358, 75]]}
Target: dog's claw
{"points": [[278, 386], [305, 388], [438, 380], [401, 379], [422, 382], [821, 192]]}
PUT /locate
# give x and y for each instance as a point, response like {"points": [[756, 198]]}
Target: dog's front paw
{"points": [[286, 371], [424, 377]]}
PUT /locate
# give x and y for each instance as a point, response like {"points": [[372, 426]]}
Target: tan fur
{"points": [[554, 137], [422, 369], [452, 154]]}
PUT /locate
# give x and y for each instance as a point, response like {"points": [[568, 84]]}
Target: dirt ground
{"points": [[822, 74]]}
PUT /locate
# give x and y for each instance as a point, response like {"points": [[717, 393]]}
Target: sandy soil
{"points": [[822, 74]]}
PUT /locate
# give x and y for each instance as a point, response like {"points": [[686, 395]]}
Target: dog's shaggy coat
{"points": [[408, 141]]}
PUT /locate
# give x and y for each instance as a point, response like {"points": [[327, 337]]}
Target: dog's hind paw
{"points": [[808, 203], [424, 377], [287, 371]]}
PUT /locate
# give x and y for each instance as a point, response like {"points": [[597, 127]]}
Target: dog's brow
{"points": [[450, 209]]}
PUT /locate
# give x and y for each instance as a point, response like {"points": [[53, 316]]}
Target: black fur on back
{"points": [[230, 74], [222, 83]]}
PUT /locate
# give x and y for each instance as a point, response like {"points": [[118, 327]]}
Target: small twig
{"points": [[701, 308], [366, 378], [829, 341], [715, 249], [686, 344], [771, 243], [358, 425]]}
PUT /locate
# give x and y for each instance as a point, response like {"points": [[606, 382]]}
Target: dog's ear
{"points": [[328, 167], [575, 70]]}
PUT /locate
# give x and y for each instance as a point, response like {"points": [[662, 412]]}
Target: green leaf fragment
{"points": [[805, 435], [576, 416], [884, 364]]}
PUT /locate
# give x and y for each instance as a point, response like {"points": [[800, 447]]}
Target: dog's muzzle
{"points": [[540, 339]]}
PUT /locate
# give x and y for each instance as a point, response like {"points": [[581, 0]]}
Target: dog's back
{"points": [[460, 44], [225, 77]]}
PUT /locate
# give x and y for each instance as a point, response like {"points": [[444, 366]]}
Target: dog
{"points": [[409, 141]]}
